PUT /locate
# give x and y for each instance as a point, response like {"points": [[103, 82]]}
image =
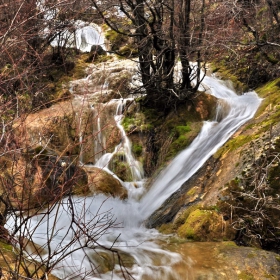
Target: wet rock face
{"points": [[191, 193]]}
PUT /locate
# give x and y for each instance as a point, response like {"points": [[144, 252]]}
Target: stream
{"points": [[119, 224]]}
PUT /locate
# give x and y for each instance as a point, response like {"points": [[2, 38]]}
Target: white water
{"points": [[128, 233], [81, 35], [124, 146], [235, 110], [83, 38]]}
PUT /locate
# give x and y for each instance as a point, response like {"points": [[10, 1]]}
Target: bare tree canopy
{"points": [[164, 32]]}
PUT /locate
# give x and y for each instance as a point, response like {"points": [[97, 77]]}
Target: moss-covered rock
{"points": [[120, 167], [205, 225]]}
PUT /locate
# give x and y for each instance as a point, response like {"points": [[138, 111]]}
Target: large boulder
{"points": [[101, 181]]}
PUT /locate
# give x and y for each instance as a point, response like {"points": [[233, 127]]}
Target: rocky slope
{"points": [[239, 183]]}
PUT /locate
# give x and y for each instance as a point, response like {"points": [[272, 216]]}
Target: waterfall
{"points": [[124, 146], [98, 147], [83, 38], [236, 110], [127, 233]]}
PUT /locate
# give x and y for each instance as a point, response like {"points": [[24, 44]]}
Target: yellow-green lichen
{"points": [[244, 275]]}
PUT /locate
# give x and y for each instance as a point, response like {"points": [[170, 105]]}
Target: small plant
{"points": [[137, 149]]}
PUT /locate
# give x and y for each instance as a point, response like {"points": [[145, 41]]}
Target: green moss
{"points": [[136, 122], [137, 149], [270, 93], [102, 58], [182, 135], [269, 89], [205, 225], [128, 51], [194, 221], [182, 129], [183, 217], [244, 275], [234, 144], [120, 167], [251, 255], [5, 246], [230, 244], [112, 35], [271, 59], [270, 276], [128, 123], [179, 144], [116, 39], [227, 74]]}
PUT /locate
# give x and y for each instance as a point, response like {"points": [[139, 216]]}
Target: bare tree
{"points": [[163, 31], [37, 183]]}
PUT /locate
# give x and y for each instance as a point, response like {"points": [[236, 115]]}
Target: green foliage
{"points": [[182, 129], [137, 149]]}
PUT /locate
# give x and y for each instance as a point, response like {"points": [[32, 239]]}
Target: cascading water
{"points": [[146, 259], [98, 147], [124, 147], [236, 111]]}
